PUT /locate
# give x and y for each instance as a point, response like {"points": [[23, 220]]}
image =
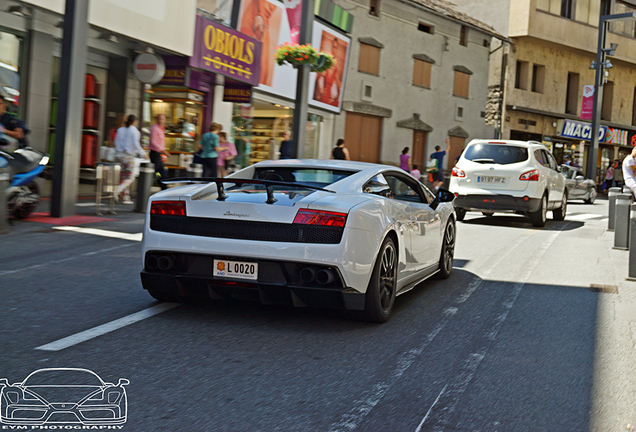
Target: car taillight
{"points": [[172, 208], [317, 217], [457, 173], [530, 176]]}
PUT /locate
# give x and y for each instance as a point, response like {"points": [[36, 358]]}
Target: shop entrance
{"points": [[363, 136]]}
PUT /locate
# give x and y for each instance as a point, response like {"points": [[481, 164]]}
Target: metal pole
{"points": [[70, 106], [598, 99], [5, 180], [621, 226], [144, 183], [611, 197], [302, 84]]}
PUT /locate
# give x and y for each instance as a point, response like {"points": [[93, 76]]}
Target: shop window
{"points": [[463, 36], [521, 75], [572, 94], [422, 73], [538, 78], [461, 84], [426, 28], [369, 60], [608, 100], [10, 50], [374, 7]]}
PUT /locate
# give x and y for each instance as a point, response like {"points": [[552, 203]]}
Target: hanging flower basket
{"points": [[298, 55]]}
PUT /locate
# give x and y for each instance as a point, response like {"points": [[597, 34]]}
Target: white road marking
{"points": [[419, 427], [107, 328], [36, 266], [458, 386], [103, 233], [362, 408], [582, 217]]}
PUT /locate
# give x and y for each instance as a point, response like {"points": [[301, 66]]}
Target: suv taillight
{"points": [[317, 217], [456, 172], [530, 176], [171, 208]]}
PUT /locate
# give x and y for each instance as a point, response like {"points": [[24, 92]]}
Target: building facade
{"points": [[418, 74], [547, 80]]}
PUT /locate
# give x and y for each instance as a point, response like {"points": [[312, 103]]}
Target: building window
{"points": [[572, 94], [422, 73], [538, 78], [463, 36], [608, 100], [521, 75], [625, 28], [460, 112], [426, 28], [585, 11], [369, 60], [567, 8], [461, 84], [374, 7]]}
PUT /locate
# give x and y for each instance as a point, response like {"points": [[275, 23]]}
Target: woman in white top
{"points": [[128, 147]]}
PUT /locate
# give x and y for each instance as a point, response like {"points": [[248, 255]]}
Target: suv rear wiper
{"points": [[484, 160]]}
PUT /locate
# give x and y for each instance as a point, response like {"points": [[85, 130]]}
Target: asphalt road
{"points": [[506, 344]]}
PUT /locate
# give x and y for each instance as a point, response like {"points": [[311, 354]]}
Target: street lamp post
{"points": [[601, 64]]}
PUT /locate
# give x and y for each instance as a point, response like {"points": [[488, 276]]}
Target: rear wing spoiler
{"points": [[219, 181]]}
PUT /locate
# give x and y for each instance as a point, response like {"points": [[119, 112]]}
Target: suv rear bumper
{"points": [[497, 202]]}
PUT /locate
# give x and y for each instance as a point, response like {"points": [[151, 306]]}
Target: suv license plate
{"points": [[491, 179], [235, 269]]}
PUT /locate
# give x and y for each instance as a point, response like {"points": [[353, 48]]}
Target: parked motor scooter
{"points": [[25, 165]]}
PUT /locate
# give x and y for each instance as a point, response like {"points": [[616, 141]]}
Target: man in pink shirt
{"points": [[157, 147]]}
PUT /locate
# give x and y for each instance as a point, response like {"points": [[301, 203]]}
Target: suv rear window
{"points": [[496, 153]]}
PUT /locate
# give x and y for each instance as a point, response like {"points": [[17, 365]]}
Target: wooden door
{"points": [[455, 150], [419, 150], [363, 135]]}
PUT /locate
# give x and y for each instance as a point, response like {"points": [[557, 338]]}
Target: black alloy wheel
{"points": [[448, 251], [380, 296]]}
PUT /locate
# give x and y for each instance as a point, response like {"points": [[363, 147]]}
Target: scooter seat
{"points": [[23, 160]]}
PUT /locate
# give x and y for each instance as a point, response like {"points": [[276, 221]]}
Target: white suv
{"points": [[509, 176]]}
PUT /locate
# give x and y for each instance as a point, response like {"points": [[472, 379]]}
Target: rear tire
{"points": [[380, 296], [540, 217], [559, 214], [592, 197], [448, 251], [461, 214]]}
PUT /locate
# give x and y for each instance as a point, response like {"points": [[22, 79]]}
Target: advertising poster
{"points": [[326, 88], [588, 102]]}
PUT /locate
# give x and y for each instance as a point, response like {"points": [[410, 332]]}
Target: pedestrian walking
{"points": [[340, 152], [438, 155], [415, 172], [226, 156], [210, 148], [286, 146], [629, 171], [127, 148], [157, 146], [405, 160], [609, 178], [12, 126]]}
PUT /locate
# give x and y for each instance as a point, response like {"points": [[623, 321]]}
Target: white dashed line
{"points": [[107, 328], [103, 233]]}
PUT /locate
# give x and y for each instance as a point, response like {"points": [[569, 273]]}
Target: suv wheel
{"points": [[559, 214], [539, 217]]}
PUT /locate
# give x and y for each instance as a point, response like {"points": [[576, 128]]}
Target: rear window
{"points": [[315, 177], [496, 153]]}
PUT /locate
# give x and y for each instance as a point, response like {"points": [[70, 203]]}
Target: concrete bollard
{"points": [[5, 179], [631, 271], [144, 183], [621, 224], [611, 197]]}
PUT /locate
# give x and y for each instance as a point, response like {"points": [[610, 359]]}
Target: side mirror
{"points": [[444, 195], [123, 382], [579, 178]]}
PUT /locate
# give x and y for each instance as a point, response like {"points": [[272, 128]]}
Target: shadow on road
{"points": [[516, 221]]}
